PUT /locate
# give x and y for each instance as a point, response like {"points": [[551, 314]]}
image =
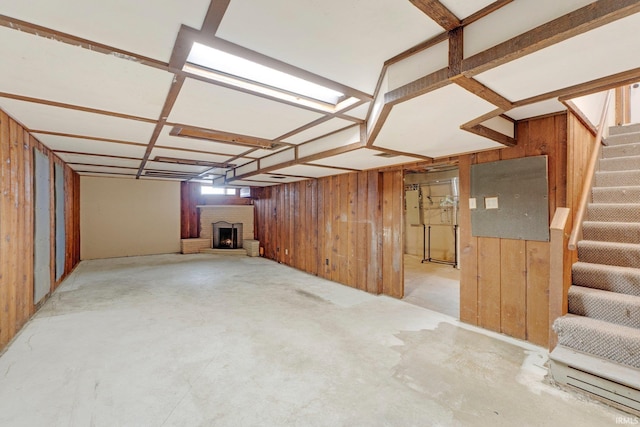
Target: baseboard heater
{"points": [[599, 378]]}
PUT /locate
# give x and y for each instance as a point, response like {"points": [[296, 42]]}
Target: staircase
{"points": [[599, 340]]}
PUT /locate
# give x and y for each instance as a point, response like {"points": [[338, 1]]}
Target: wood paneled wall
{"points": [[17, 225], [504, 283], [190, 198], [346, 228]]}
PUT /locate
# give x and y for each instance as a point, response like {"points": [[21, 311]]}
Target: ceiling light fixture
{"points": [[223, 67]]}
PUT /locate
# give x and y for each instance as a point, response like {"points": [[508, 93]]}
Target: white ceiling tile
{"points": [[99, 160], [164, 152], [214, 107], [89, 146], [144, 28], [47, 69], [309, 171], [512, 20], [359, 112], [537, 109], [151, 165], [74, 122], [364, 159], [105, 169], [429, 125], [566, 64], [319, 130], [343, 40], [165, 140], [464, 8]]}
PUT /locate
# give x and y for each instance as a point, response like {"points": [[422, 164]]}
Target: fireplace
{"points": [[227, 235]]}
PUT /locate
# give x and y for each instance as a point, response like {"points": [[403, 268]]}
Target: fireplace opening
{"points": [[227, 235]]}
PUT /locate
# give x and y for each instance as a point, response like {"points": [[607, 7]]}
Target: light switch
{"points": [[491, 203], [472, 203]]}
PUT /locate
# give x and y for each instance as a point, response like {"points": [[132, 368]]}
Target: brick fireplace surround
{"points": [[210, 214]]}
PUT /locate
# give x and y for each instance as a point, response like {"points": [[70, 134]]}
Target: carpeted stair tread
{"points": [[617, 178], [623, 138], [620, 344], [624, 280], [630, 128], [614, 212], [608, 306], [622, 150], [616, 194], [605, 231], [620, 163], [609, 253]]}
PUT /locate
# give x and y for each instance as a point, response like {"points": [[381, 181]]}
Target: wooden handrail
{"points": [[576, 233]]}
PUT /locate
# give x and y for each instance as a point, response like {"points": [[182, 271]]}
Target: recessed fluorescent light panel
{"points": [[230, 69]]}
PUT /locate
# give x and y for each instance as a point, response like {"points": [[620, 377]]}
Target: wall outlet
{"points": [[326, 261]]}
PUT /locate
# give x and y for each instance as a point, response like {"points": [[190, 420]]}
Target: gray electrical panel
{"points": [[510, 199]]}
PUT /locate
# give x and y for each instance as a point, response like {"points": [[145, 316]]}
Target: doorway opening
{"points": [[431, 246]]}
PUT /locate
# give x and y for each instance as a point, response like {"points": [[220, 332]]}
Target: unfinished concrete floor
{"points": [[432, 285], [203, 340]]}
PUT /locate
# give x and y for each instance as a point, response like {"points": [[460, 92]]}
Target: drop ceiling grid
{"points": [[343, 40], [429, 125], [598, 53], [143, 28], [214, 107], [514, 19], [308, 171], [319, 130], [359, 112], [363, 159], [89, 146], [63, 120], [165, 140], [47, 69], [268, 177]]}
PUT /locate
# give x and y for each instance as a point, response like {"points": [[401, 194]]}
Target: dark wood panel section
{"points": [[504, 284], [17, 225], [346, 228]]}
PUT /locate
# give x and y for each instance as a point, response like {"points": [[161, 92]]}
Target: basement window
{"points": [[209, 190], [243, 73]]}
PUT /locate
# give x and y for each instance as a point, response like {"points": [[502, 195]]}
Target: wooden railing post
{"points": [[559, 270]]}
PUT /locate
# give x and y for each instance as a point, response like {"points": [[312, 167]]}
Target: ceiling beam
{"points": [[37, 30], [438, 12], [579, 21], [491, 134], [483, 92], [172, 96], [224, 137], [216, 12]]}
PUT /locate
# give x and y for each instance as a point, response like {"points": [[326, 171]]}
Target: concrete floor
{"points": [[432, 285], [203, 340]]}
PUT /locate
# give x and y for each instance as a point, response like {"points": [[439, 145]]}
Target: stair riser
{"points": [[618, 130], [603, 233], [625, 138], [621, 313], [616, 195], [617, 179], [620, 164], [613, 213], [622, 257], [607, 279], [606, 342], [621, 151]]}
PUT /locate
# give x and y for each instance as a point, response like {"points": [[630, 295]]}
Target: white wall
{"points": [[128, 217]]}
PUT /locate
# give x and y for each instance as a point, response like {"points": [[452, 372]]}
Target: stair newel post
{"points": [[559, 270]]}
